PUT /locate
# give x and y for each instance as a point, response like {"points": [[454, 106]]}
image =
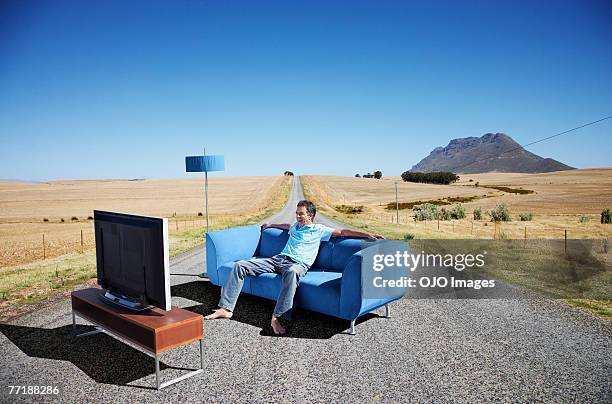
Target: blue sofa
{"points": [[332, 285]]}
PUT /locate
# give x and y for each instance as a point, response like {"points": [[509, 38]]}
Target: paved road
{"points": [[440, 350]]}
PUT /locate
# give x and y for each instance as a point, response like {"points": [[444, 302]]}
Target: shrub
{"points": [[351, 210], [426, 211], [378, 174], [430, 178], [357, 175], [62, 220], [288, 173], [443, 214], [74, 219], [526, 217], [471, 180], [408, 236], [200, 214], [89, 218], [457, 212], [584, 219], [477, 184], [478, 213], [606, 216], [45, 220], [500, 214]]}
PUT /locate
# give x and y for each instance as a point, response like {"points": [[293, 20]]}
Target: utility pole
{"points": [[396, 204]]}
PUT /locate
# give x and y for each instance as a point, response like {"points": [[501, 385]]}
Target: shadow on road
{"points": [[101, 357], [256, 311]]}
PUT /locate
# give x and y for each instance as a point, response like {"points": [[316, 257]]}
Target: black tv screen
{"points": [[132, 260]]}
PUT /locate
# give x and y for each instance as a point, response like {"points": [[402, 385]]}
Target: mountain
{"points": [[485, 154]]}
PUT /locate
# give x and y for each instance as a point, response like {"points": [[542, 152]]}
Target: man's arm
{"points": [[284, 226], [354, 233]]}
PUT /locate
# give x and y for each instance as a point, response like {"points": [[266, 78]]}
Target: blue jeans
{"points": [[290, 270]]}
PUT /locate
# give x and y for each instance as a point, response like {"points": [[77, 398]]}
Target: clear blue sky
{"points": [[126, 89]]}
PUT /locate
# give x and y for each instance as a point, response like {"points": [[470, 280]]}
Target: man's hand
{"points": [[376, 236]]}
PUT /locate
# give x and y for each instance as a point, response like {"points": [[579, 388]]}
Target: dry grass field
{"points": [[25, 206], [25, 277], [557, 203]]}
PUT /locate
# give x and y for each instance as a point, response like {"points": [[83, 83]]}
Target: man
{"points": [[292, 263]]}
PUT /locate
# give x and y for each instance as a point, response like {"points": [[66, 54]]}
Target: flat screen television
{"points": [[132, 260]]}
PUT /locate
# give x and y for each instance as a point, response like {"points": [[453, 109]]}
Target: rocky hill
{"points": [[488, 153]]}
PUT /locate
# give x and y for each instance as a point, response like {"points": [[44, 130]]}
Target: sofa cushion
{"points": [[343, 249], [272, 241], [318, 291], [224, 271], [324, 257]]}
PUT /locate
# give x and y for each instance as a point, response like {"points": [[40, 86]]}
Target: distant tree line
{"points": [[442, 177], [377, 175]]}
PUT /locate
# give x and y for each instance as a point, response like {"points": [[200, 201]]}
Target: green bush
{"points": [[74, 219], [457, 212], [378, 174], [444, 177], [526, 217], [408, 236], [500, 214], [443, 214], [62, 220], [45, 220], [478, 214], [426, 211], [584, 219], [606, 216], [351, 210]]}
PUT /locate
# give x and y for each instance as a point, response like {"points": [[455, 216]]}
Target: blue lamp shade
{"points": [[199, 164]]}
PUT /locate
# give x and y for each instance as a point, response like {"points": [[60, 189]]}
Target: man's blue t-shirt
{"points": [[303, 243]]}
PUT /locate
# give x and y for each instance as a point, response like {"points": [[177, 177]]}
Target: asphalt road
{"points": [[430, 350]]}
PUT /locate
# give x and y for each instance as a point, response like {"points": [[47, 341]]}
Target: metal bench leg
{"points": [[387, 311], [352, 329]]}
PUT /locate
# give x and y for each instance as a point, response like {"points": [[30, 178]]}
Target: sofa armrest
{"points": [[350, 288], [230, 245], [357, 298]]}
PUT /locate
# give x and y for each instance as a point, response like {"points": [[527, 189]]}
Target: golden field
{"points": [[557, 203], [26, 278], [24, 206]]}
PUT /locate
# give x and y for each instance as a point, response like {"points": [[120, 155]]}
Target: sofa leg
{"points": [[387, 311], [352, 329]]}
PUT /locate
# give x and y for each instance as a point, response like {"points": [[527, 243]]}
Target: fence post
{"points": [[81, 241], [44, 250], [438, 223], [566, 241], [453, 227], [176, 224], [525, 232], [472, 231]]}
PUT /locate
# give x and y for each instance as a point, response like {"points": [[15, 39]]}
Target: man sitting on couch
{"points": [[292, 263]]}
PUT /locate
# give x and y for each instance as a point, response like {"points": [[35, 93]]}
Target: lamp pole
{"points": [[206, 193]]}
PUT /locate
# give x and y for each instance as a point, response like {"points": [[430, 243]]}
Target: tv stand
{"points": [[155, 330]]}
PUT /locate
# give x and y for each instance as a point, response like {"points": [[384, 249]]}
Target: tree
{"points": [[378, 174], [288, 173], [357, 175]]}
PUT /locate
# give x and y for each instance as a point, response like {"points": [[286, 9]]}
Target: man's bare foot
{"points": [[219, 313], [277, 327]]}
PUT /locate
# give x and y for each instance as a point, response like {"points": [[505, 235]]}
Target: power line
{"points": [[534, 142]]}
